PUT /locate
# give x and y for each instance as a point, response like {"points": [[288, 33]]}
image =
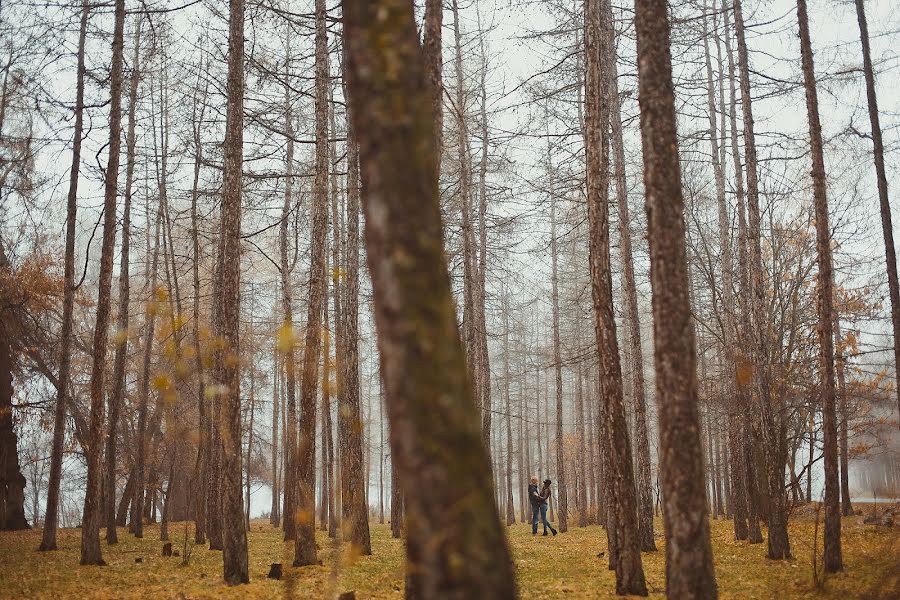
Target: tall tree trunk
{"points": [[274, 511], [742, 440], [250, 441], [122, 321], [144, 385], [12, 482], [396, 500], [380, 453], [773, 426], [325, 421], [354, 505], [561, 494], [825, 292], [471, 334], [51, 515], [510, 504], [580, 466], [305, 543], [484, 365], [455, 545], [689, 560], [203, 449], [730, 382], [644, 483], [432, 50], [881, 176], [287, 336], [234, 534], [93, 511], [620, 475]]}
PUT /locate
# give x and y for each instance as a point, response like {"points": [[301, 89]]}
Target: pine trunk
{"points": [[51, 515], [93, 511], [689, 560], [825, 299], [305, 546], [456, 548], [234, 533]]}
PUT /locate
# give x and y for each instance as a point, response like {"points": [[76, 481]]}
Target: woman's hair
{"points": [[534, 479], [547, 482]]}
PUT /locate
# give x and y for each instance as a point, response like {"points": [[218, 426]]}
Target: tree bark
{"points": [[773, 426], [744, 482], [689, 560], [51, 515], [122, 321], [93, 511], [825, 300], [356, 510], [561, 493], [619, 476], [287, 337], [432, 49], [455, 545], [510, 504], [203, 449], [881, 176], [305, 543], [234, 534], [644, 484]]}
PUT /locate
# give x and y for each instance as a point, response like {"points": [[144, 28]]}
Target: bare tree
{"points": [[93, 512], [689, 561], [305, 546], [890, 254], [234, 533], [121, 340], [773, 428], [825, 292], [51, 516]]}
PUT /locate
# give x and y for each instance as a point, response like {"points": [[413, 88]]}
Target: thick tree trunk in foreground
{"points": [[122, 321], [770, 407], [455, 545], [881, 176], [234, 534], [825, 300], [93, 511], [689, 560], [51, 515], [305, 546], [619, 475]]}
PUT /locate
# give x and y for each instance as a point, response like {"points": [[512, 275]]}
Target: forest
{"points": [[449, 299]]}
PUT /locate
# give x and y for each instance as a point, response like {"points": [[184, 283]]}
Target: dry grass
{"points": [[564, 566]]}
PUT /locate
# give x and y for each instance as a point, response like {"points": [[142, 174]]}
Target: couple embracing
{"points": [[540, 498]]}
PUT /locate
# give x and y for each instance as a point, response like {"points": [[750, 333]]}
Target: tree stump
{"points": [[167, 549], [274, 571]]}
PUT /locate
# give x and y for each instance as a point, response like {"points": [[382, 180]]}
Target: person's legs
{"points": [[544, 517], [534, 518], [547, 524]]}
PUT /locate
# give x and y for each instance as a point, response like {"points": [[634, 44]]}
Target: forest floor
{"points": [[553, 567]]}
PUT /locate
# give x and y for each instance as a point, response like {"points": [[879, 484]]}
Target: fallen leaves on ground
{"points": [[565, 566]]}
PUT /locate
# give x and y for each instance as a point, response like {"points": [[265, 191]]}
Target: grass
{"points": [[564, 566]]}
